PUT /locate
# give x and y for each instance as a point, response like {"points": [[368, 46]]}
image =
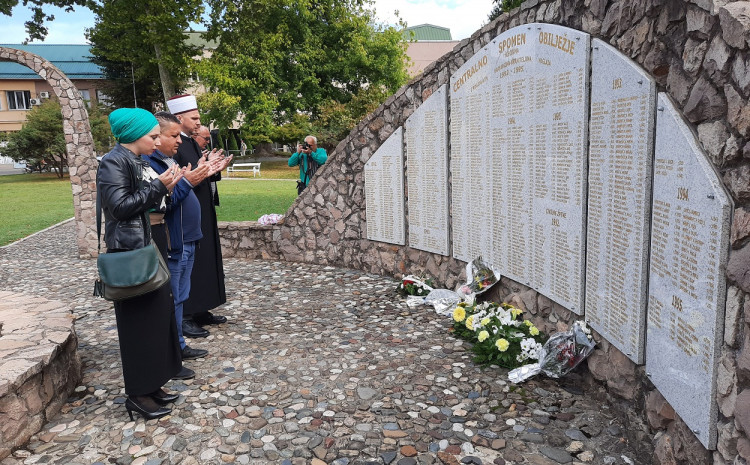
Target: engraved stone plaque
{"points": [[621, 126], [471, 214], [518, 158], [426, 135], [384, 191], [690, 221]]}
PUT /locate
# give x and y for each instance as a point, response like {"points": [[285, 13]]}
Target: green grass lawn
{"points": [[249, 199], [32, 202], [277, 169]]}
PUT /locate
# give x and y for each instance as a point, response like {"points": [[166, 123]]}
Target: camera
{"points": [[305, 145]]}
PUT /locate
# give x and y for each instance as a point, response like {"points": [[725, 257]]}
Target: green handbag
{"points": [[128, 274]]}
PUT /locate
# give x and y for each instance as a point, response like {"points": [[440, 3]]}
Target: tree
{"points": [[219, 109], [147, 37], [129, 86], [232, 147], [284, 57], [100, 130], [294, 131], [41, 140], [35, 28], [336, 119]]}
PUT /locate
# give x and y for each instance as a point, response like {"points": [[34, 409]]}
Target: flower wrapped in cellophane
{"points": [[271, 218], [499, 333], [559, 355], [414, 285], [479, 278]]}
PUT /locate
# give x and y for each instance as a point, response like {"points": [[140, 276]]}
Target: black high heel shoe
{"points": [[149, 412], [162, 398]]}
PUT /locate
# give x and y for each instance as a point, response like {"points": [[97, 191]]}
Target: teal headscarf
{"points": [[130, 124]]}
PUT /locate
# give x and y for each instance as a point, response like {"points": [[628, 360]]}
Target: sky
{"points": [[462, 17]]}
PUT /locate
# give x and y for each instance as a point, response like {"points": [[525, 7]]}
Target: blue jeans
{"points": [[181, 267]]}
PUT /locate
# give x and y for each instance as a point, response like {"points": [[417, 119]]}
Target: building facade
{"points": [[21, 88]]}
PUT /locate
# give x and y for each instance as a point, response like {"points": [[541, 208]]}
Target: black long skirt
{"points": [[207, 289], [146, 328]]}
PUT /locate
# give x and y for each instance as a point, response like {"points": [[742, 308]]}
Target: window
{"points": [[86, 96], [19, 99], [102, 98]]}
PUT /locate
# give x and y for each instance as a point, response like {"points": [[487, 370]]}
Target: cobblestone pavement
{"points": [[316, 365]]}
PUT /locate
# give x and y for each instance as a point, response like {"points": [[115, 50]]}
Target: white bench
{"points": [[250, 167]]}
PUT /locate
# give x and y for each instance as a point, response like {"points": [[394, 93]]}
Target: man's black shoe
{"points": [[188, 353], [185, 373], [190, 329], [208, 318]]}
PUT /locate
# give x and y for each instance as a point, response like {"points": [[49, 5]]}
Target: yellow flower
{"points": [[470, 323], [483, 335], [502, 344], [515, 312], [485, 321], [528, 323], [534, 331], [459, 314]]}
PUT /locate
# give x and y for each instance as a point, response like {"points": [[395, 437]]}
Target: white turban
{"points": [[181, 104]]}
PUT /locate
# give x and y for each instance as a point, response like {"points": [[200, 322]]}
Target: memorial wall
{"points": [[555, 193]]}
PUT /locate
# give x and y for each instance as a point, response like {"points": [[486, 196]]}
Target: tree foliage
{"points": [[219, 108], [503, 6], [336, 119], [100, 130], [134, 41], [35, 27], [284, 57], [41, 140]]}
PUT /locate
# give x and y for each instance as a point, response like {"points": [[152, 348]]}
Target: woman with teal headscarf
{"points": [[146, 327]]}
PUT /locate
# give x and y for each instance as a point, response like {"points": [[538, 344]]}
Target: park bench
{"points": [[250, 167]]}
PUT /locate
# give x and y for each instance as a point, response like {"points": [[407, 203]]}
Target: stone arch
{"points": [[79, 143]]}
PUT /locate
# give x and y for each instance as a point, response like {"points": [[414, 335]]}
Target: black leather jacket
{"points": [[125, 199]]}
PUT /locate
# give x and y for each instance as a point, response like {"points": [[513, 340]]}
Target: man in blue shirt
{"points": [[309, 157], [183, 218]]}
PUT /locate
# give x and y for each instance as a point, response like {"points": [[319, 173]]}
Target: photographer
{"points": [[309, 157]]}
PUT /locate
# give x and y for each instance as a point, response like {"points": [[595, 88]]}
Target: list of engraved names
{"points": [[521, 159], [384, 191], [620, 154], [426, 135]]}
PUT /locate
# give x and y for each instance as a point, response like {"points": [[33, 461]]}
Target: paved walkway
{"points": [[317, 365]]}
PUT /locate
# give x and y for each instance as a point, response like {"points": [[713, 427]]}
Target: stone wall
{"points": [[699, 53], [39, 365], [79, 144]]}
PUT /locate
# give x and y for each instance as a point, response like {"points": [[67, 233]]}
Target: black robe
{"points": [[207, 280]]}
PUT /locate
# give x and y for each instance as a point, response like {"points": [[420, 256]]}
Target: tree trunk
{"points": [[167, 86]]}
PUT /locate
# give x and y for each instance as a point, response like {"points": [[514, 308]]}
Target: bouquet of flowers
{"points": [[480, 277], [560, 354], [414, 285], [498, 332]]}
